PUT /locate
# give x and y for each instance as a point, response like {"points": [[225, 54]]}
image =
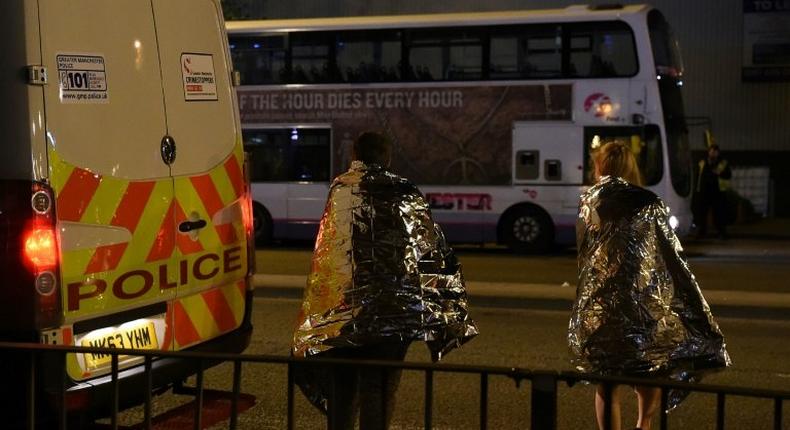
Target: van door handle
{"points": [[188, 226]]}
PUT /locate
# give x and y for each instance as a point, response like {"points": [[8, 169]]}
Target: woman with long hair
{"points": [[638, 311]]}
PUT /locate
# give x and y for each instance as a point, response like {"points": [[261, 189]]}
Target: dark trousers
{"points": [[362, 391], [707, 202]]}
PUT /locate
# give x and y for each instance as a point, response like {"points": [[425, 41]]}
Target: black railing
{"points": [[544, 384]]}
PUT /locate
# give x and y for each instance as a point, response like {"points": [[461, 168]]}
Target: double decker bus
{"points": [[494, 115]]}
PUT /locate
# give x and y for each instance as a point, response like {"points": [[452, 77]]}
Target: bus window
{"points": [[445, 55], [666, 53], [601, 50], [259, 60], [678, 147], [526, 52], [645, 144], [669, 67], [527, 164], [368, 56], [311, 58], [288, 154], [553, 169]]}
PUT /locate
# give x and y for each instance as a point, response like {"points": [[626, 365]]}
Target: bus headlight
{"points": [[674, 222]]}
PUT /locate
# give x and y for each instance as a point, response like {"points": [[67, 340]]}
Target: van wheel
{"points": [[527, 230], [261, 224]]}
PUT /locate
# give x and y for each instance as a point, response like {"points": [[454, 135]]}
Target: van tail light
{"points": [[29, 260], [247, 217], [41, 258], [40, 247]]}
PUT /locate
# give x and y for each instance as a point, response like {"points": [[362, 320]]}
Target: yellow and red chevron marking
{"points": [[209, 193], [233, 169], [211, 198], [78, 191], [208, 314], [127, 215], [150, 213], [81, 186], [167, 239], [167, 341]]}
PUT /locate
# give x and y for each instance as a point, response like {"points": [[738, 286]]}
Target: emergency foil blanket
{"points": [[639, 310], [381, 272]]}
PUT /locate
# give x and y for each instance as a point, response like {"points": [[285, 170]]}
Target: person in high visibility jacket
{"points": [[713, 180]]}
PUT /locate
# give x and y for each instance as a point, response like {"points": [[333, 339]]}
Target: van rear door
{"points": [[105, 121], [207, 170]]}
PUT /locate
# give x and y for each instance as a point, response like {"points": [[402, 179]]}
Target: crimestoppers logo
{"points": [[187, 63], [599, 104]]}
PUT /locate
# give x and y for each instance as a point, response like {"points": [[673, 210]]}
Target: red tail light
{"points": [[41, 248]]}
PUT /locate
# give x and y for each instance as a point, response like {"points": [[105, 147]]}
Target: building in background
{"points": [[737, 66]]}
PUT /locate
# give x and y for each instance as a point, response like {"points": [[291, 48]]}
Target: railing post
{"points": [[330, 402], [664, 407], [720, 411], [115, 392], [62, 393], [383, 393], [148, 387], [483, 400], [290, 411], [31, 393], [199, 397], [607, 388], [544, 402], [428, 399], [778, 413], [234, 400]]}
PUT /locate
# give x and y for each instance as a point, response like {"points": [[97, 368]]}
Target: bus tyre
{"points": [[261, 224], [527, 230]]}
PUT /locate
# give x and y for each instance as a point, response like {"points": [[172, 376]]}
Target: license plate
{"points": [[138, 335]]}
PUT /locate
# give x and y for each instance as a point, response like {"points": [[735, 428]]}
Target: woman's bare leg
{"points": [[600, 406], [649, 400]]}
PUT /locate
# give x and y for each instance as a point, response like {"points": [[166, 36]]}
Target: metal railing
{"points": [[544, 384]]}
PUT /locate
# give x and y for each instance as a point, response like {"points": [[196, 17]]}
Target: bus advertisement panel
{"points": [[454, 135]]}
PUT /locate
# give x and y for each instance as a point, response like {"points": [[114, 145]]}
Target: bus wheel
{"points": [[261, 224], [527, 230]]}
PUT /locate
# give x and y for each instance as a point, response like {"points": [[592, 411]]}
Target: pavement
{"points": [[765, 240]]}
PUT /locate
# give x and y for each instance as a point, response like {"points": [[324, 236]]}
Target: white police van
{"points": [[124, 205]]}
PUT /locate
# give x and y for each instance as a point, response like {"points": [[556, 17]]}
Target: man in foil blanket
{"points": [[382, 276], [639, 311]]}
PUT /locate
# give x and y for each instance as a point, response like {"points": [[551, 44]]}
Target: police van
{"points": [[125, 215]]}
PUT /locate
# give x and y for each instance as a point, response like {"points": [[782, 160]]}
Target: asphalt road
{"points": [[761, 266], [521, 336], [742, 278], [510, 337]]}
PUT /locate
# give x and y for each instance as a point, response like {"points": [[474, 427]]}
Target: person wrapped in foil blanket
{"points": [[639, 310], [381, 273]]}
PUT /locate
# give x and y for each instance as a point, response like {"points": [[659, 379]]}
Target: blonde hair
{"points": [[616, 159]]}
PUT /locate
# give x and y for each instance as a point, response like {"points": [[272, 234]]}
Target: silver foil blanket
{"points": [[381, 271], [639, 310]]}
